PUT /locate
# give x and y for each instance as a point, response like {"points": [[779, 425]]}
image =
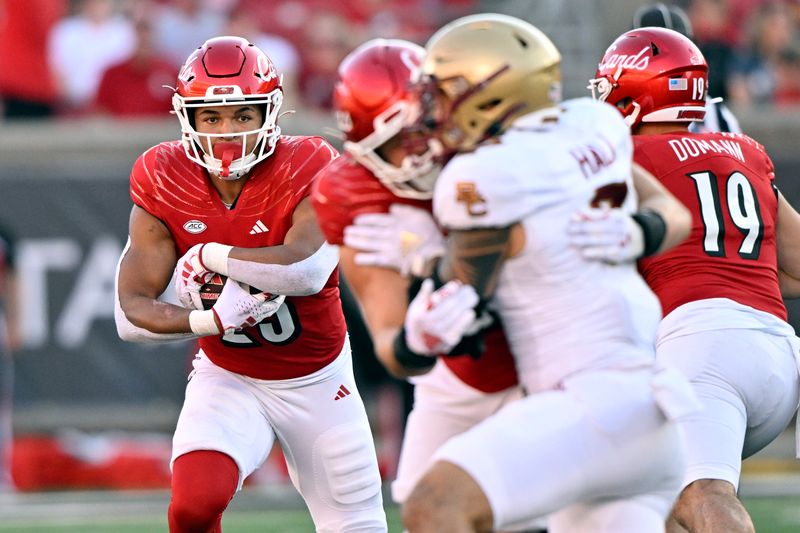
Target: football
{"points": [[209, 293]]}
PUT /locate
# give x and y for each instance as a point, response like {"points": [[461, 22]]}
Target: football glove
{"points": [[437, 320], [405, 239], [190, 275], [609, 235], [235, 309]]}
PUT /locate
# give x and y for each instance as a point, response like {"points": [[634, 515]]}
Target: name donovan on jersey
{"points": [[687, 147]]}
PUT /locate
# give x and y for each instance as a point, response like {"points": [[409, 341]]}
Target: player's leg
{"points": [[604, 435], [447, 499], [443, 407], [221, 437], [736, 389], [203, 483], [323, 429]]}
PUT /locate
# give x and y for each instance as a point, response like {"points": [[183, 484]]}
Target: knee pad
{"points": [[346, 457]]}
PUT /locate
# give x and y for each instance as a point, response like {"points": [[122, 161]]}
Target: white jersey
{"points": [[562, 313]]}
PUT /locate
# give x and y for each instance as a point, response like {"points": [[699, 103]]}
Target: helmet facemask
{"points": [[377, 111], [229, 162], [228, 71], [414, 177]]}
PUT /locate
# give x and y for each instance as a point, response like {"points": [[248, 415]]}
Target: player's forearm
{"points": [[291, 274], [677, 218], [656, 198], [790, 285], [384, 343], [158, 318], [474, 257]]}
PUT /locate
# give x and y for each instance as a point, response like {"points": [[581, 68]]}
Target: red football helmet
{"points": [[228, 71], [375, 98], [653, 75]]}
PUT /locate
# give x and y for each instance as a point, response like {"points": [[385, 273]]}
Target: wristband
{"points": [[407, 357], [654, 230], [214, 257], [203, 323]]}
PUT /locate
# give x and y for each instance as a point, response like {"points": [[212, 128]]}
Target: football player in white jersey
{"points": [[595, 442]]}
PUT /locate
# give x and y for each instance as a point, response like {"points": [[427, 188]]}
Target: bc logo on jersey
{"points": [[468, 194]]}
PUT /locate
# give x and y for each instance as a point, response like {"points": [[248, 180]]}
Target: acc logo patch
{"points": [[195, 226]]}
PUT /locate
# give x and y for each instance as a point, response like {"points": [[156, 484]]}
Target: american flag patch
{"points": [[678, 84]]}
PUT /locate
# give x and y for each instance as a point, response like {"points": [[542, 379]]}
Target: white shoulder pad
{"points": [[600, 118], [474, 191]]}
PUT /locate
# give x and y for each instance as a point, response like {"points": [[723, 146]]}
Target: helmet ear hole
{"points": [[625, 102]]}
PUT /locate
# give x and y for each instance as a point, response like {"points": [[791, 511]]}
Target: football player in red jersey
{"points": [[385, 173], [232, 197], [724, 320]]}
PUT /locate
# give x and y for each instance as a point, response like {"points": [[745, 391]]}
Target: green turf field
{"points": [[771, 515]]}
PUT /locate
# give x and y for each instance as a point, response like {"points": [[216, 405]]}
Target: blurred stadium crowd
{"points": [[114, 56]]}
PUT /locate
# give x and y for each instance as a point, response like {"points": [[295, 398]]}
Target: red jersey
{"points": [[306, 333], [726, 181], [346, 189]]}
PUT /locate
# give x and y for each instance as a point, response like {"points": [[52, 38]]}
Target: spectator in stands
{"points": [[9, 341], [329, 38], [718, 117], [281, 51], [136, 86], [787, 78], [753, 77], [83, 46], [180, 26], [26, 89], [712, 32]]}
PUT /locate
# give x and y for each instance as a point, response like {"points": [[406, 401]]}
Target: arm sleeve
{"points": [[131, 333], [303, 278]]}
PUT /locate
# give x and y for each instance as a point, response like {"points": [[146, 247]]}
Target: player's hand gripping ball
{"points": [[211, 291]]}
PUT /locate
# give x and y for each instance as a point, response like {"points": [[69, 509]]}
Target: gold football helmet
{"points": [[490, 69]]}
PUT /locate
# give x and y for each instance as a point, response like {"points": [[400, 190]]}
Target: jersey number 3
{"points": [[743, 211]]}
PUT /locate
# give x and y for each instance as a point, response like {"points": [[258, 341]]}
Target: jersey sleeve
{"points": [[308, 159], [333, 209], [142, 186]]}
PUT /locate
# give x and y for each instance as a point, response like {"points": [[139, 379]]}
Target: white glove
{"points": [[405, 239], [190, 275], [609, 235], [235, 309], [437, 320]]}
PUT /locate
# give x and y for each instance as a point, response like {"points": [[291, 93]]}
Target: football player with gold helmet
{"points": [[594, 444]]}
